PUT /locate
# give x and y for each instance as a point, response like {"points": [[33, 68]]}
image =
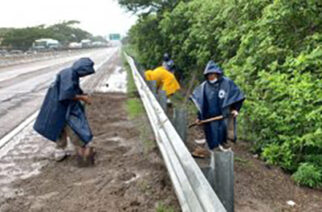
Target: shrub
{"points": [[308, 174]]}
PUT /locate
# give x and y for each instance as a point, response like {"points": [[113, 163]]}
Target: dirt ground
{"points": [[125, 178], [259, 187]]}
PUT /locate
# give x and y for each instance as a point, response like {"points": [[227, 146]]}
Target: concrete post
{"points": [[224, 178], [140, 68], [180, 122], [141, 71], [153, 86], [220, 175], [162, 98]]}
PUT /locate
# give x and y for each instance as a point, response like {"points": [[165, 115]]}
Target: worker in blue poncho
{"points": [[62, 114], [218, 100], [168, 63]]}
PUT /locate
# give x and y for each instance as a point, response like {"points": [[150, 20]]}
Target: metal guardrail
{"points": [[192, 188]]}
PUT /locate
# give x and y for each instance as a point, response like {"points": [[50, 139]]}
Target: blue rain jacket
{"points": [[59, 108], [214, 100], [169, 65]]}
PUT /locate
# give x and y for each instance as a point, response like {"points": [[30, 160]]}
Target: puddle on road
{"points": [[114, 83]]}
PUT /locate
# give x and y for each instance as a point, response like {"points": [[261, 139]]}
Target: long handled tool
{"points": [[217, 118]]}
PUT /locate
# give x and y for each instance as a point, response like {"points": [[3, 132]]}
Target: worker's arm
{"points": [[84, 98], [234, 111]]}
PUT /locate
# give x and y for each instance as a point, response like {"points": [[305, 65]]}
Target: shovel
{"points": [[216, 118]]}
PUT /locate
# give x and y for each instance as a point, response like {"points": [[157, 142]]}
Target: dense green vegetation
{"points": [[65, 32], [271, 48]]}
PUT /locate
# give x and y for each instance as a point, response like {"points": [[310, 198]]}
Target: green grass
{"points": [[134, 107], [131, 87], [164, 208]]}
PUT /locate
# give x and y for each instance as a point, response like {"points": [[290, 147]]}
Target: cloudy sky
{"points": [[100, 17]]}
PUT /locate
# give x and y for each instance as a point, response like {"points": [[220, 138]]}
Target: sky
{"points": [[99, 17]]}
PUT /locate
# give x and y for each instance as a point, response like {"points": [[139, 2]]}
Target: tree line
{"points": [[271, 48], [65, 32]]}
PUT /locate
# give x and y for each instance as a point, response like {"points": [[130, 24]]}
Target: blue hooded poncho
{"points": [[214, 100], [59, 108], [169, 65]]}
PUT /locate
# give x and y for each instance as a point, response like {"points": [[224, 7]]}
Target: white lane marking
{"points": [[15, 131]]}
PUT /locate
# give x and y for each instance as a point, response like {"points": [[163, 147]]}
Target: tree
{"points": [[272, 49], [64, 32], [147, 6], [24, 37]]}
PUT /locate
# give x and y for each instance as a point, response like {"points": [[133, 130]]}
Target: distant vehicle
{"points": [[29, 52], [75, 45], [99, 44], [86, 43], [16, 52], [46, 44], [3, 52]]}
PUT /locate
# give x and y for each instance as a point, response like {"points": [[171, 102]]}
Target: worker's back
{"points": [[164, 79]]}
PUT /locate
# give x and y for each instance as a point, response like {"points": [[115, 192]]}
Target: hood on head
{"points": [[166, 57], [212, 68], [83, 67], [169, 65]]}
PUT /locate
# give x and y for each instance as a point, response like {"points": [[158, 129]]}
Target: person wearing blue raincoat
{"points": [[218, 96], [62, 113], [166, 58], [168, 63]]}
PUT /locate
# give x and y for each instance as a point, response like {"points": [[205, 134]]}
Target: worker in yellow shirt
{"points": [[164, 78]]}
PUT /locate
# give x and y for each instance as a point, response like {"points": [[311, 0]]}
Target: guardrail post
{"points": [[162, 98], [224, 178], [141, 71], [220, 175], [153, 86], [180, 122]]}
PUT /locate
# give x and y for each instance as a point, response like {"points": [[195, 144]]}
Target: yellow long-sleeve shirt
{"points": [[164, 79]]}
